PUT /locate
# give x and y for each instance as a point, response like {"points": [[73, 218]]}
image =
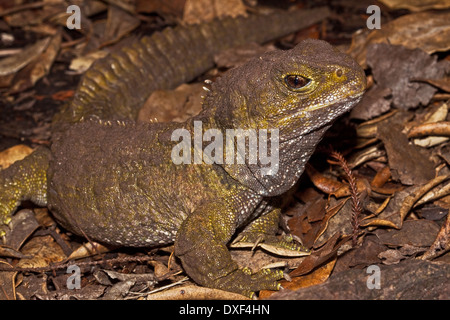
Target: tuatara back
{"points": [[116, 86]]}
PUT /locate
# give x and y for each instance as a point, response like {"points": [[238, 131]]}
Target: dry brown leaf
{"points": [[6, 81], [172, 105], [316, 209], [13, 154], [7, 283], [160, 269], [87, 250], [192, 292], [374, 103], [83, 63], [391, 256], [435, 193], [396, 68], [34, 13], [173, 7], [44, 251], [16, 62], [23, 224], [134, 277], [8, 252], [40, 67], [119, 24], [408, 163], [196, 11], [381, 177], [443, 84], [435, 116], [416, 5], [419, 193], [402, 203], [442, 242], [370, 152], [417, 233], [22, 18], [91, 8], [336, 218], [126, 5], [237, 56], [318, 276], [428, 30], [323, 183], [441, 128], [362, 185], [324, 254]]}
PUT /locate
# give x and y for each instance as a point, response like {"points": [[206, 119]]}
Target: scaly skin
{"points": [[115, 181], [116, 87]]}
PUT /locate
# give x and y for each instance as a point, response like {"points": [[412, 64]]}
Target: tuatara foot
{"points": [[244, 282], [205, 256], [23, 180], [261, 233], [283, 246]]}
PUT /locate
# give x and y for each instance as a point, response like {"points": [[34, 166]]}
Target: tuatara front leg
{"points": [[24, 180], [201, 245], [262, 232]]}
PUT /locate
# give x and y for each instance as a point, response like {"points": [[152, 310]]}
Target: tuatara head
{"points": [[299, 92], [296, 91]]}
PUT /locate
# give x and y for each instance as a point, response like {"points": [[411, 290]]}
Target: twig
{"points": [[356, 201], [80, 264], [27, 6]]}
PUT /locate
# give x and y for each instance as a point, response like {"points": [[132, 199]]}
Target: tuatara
{"points": [[115, 180]]}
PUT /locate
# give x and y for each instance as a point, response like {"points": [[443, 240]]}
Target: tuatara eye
{"points": [[296, 81]]}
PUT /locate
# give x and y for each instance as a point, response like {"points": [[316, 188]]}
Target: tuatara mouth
{"points": [[339, 107]]}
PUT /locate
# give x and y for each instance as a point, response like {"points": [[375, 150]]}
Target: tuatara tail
{"points": [[116, 86]]}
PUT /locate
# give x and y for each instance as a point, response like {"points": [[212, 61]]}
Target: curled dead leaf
{"points": [[13, 154], [443, 84], [416, 5], [327, 185], [7, 281], [318, 257], [441, 128], [87, 250], [442, 242], [16, 62], [402, 203], [39, 67], [381, 177], [427, 30], [193, 292], [318, 276], [44, 251], [196, 11]]}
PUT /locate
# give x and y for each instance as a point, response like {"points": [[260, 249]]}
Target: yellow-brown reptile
{"points": [[115, 180]]}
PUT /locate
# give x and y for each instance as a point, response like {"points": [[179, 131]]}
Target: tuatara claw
{"points": [[284, 246]]}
